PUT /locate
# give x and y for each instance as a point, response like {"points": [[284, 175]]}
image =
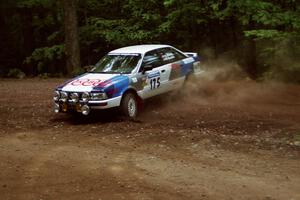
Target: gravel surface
{"points": [[217, 140]]}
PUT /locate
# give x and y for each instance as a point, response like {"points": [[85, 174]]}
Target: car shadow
{"points": [[95, 116], [113, 115]]}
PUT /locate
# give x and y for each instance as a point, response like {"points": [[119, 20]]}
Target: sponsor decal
{"points": [[90, 82], [154, 74], [85, 82]]}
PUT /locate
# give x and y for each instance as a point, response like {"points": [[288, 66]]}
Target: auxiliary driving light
{"points": [[56, 95], [74, 97], [64, 96], [85, 97], [85, 109], [56, 108]]}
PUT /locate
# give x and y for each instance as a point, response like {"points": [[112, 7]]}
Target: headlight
{"points": [[98, 96], [74, 97], [85, 97], [56, 96], [64, 96]]}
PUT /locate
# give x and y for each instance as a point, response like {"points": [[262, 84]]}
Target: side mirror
{"points": [[147, 68], [88, 68]]}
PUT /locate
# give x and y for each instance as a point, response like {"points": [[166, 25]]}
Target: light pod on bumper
{"points": [[74, 97], [56, 95], [63, 96], [56, 108], [85, 109], [85, 97]]}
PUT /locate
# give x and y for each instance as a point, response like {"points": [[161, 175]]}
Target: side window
{"points": [[178, 55], [170, 55], [152, 58]]}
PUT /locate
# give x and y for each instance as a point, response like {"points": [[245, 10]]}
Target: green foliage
{"points": [[271, 30], [33, 3], [280, 59], [45, 55], [16, 73], [266, 34]]}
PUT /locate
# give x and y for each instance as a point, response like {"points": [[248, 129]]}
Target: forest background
{"points": [[55, 38]]}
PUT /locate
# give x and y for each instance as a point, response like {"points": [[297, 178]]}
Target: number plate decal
{"points": [[154, 83], [154, 80]]}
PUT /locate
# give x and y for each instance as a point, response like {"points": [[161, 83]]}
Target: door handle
{"points": [[163, 71]]}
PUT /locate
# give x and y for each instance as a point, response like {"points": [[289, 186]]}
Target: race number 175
{"points": [[154, 83]]}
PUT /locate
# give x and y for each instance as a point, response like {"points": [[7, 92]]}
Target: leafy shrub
{"points": [[16, 73], [279, 59], [43, 57]]}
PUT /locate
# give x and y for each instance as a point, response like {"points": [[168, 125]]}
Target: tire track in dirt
{"points": [[227, 140]]}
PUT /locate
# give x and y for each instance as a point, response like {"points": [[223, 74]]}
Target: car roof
{"points": [[142, 49]]}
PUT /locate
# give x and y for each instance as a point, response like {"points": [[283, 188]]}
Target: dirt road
{"points": [[226, 140]]}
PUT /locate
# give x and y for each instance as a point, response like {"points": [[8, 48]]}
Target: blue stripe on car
{"points": [[115, 86], [186, 68]]}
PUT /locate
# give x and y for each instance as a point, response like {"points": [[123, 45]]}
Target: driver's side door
{"points": [[155, 74]]}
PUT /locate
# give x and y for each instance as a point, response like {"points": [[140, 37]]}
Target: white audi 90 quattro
{"points": [[126, 75]]}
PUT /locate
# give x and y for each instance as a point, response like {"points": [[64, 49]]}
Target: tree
{"points": [[72, 50], [263, 36]]}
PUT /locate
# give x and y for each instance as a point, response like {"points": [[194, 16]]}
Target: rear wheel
{"points": [[129, 106]]}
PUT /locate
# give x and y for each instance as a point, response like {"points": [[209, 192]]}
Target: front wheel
{"points": [[129, 106]]}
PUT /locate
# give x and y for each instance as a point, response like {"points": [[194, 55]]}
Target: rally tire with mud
{"points": [[129, 106]]}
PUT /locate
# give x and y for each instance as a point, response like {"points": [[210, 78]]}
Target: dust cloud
{"points": [[224, 82]]}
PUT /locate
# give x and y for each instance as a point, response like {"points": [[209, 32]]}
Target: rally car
{"points": [[126, 76]]}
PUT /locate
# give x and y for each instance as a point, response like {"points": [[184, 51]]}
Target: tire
{"points": [[129, 106]]}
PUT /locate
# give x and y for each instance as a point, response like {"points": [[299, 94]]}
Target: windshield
{"points": [[123, 64]]}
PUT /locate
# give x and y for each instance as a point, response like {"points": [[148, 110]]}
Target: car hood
{"points": [[91, 81]]}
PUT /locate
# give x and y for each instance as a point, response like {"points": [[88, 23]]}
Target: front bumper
{"points": [[60, 106]]}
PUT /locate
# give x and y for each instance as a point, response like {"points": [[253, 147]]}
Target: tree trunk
{"points": [[28, 39], [251, 62], [71, 35]]}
